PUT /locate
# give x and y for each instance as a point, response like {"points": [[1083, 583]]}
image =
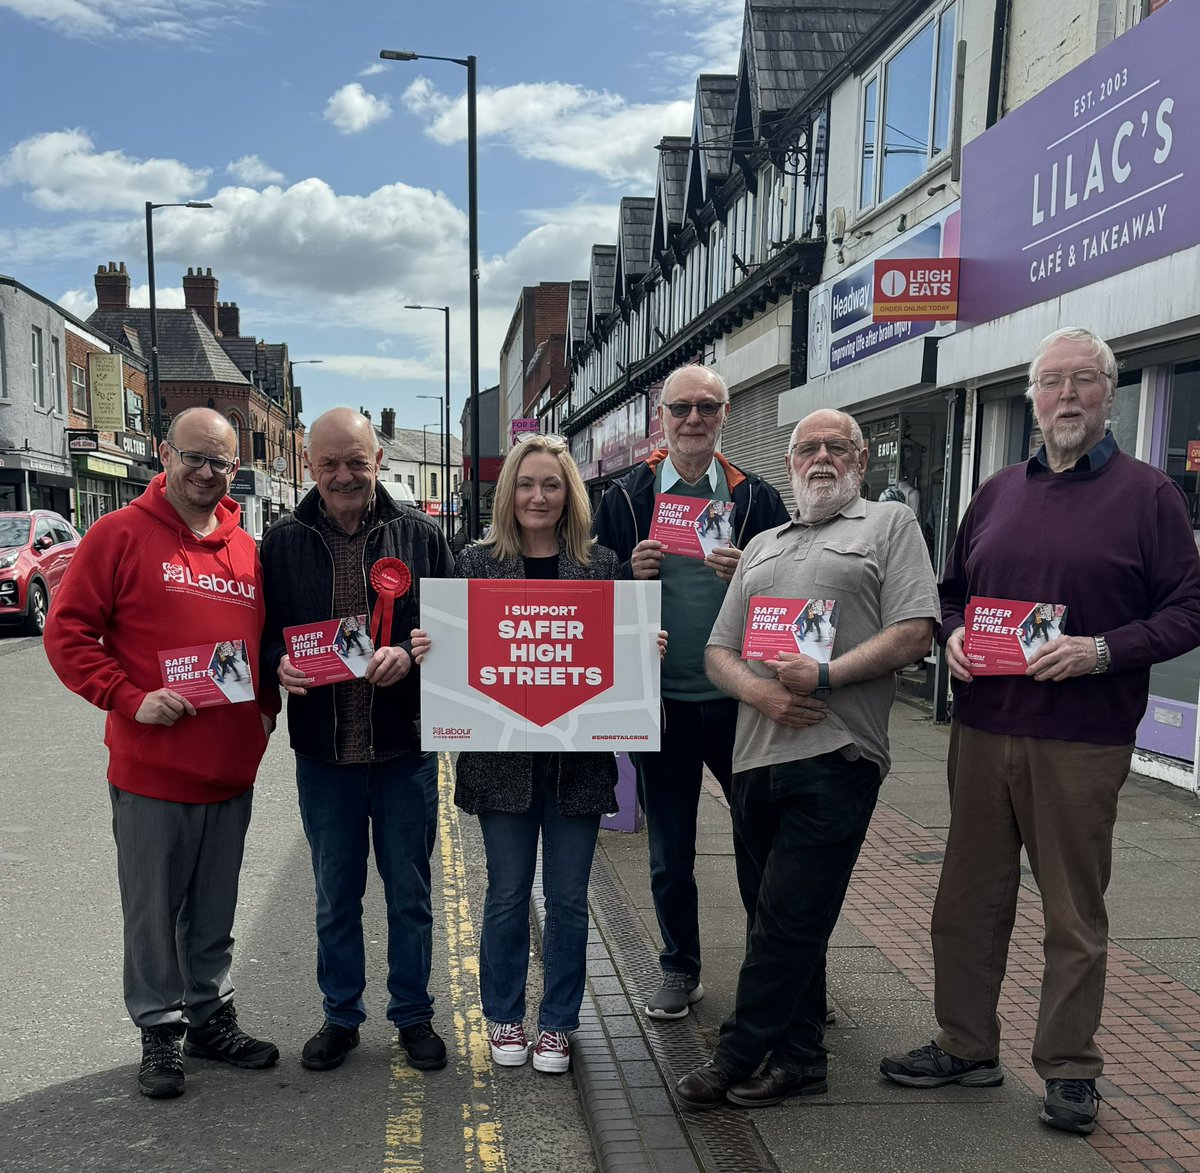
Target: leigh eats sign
{"points": [[925, 289]]}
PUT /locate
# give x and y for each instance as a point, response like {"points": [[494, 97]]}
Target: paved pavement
{"points": [[880, 981]]}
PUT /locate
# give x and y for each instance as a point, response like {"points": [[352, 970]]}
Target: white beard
{"points": [[818, 500]]}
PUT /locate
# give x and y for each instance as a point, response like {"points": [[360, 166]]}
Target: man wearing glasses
{"points": [[698, 718], [172, 571], [360, 772], [1037, 761], [811, 752]]}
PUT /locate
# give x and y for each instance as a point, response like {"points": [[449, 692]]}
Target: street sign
{"points": [[279, 463]]}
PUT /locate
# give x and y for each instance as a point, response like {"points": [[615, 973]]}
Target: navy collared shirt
{"points": [[1091, 461]]}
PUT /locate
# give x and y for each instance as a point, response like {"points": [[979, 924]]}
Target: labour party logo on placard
{"points": [[540, 649]]}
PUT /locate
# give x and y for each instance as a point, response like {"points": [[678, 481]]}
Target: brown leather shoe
{"points": [[774, 1086], [703, 1088]]}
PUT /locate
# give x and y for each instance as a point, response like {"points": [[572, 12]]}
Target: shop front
{"points": [[251, 489], [34, 481], [1115, 249]]}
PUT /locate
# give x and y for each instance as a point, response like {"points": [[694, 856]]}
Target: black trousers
{"points": [[798, 828]]}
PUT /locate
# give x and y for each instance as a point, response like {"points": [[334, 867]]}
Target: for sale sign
{"points": [[536, 665], [924, 289]]}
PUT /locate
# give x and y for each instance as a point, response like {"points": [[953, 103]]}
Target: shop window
{"points": [[79, 393], [906, 109]]}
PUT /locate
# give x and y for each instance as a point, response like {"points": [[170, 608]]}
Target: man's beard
{"points": [[818, 500]]}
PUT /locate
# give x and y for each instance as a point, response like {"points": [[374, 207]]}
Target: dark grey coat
{"points": [[504, 781]]}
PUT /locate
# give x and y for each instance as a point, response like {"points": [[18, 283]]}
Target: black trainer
{"points": [[222, 1040], [1071, 1104], [423, 1046], [161, 1073], [932, 1067], [329, 1047]]}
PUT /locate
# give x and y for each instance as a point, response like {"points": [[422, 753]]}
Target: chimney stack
{"points": [[200, 294], [229, 319], [387, 422], [112, 287]]}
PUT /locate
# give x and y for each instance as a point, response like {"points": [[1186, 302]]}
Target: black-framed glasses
{"points": [[682, 410], [218, 464], [838, 449]]}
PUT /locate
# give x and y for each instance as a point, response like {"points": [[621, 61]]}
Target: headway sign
{"points": [[1094, 176], [916, 290]]}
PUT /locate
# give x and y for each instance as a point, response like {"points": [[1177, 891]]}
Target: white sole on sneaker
{"points": [[693, 997], [551, 1064], [505, 1058]]}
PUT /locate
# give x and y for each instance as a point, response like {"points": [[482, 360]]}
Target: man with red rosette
{"points": [[360, 771], [173, 565]]}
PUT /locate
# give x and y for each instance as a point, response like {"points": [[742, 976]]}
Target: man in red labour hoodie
{"points": [[173, 570]]}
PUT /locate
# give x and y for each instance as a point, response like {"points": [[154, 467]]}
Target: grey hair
{"points": [[1103, 351], [856, 434]]}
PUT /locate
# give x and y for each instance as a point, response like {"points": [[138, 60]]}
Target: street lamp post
{"points": [[425, 453], [474, 529], [446, 496], [154, 387], [442, 454], [295, 457]]}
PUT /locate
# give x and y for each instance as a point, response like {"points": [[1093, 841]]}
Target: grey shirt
{"points": [[870, 558]]}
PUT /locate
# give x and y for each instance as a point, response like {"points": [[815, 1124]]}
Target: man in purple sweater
{"points": [[1038, 760]]}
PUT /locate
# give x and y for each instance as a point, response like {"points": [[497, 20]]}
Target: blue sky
{"points": [[338, 180]]}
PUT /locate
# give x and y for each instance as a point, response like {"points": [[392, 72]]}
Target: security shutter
{"points": [[753, 440]]}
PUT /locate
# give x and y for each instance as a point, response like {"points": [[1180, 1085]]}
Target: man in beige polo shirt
{"points": [[810, 752]]}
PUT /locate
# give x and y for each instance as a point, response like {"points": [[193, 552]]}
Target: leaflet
{"points": [[332, 651], [209, 674], [1002, 634], [789, 625], [691, 526]]}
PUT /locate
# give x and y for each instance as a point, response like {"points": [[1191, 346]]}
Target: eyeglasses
{"points": [[355, 466], [1081, 380], [838, 449], [218, 464], [682, 410], [552, 437]]}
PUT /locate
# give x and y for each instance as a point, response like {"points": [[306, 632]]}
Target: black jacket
{"points": [[298, 585], [504, 781], [627, 508]]}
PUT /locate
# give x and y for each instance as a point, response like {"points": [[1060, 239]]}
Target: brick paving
{"points": [[1150, 1119]]}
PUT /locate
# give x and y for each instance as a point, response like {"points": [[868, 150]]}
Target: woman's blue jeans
{"points": [[568, 843]]}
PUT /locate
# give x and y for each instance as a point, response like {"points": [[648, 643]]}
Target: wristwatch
{"points": [[822, 691], [1102, 657]]}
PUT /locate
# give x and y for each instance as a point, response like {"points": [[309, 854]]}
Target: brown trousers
{"points": [[1059, 800]]}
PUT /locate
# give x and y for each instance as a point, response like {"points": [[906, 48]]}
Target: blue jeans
{"points": [[510, 842], [798, 827], [394, 803], [694, 734]]}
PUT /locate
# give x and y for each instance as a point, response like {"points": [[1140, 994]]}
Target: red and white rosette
{"points": [[391, 579]]}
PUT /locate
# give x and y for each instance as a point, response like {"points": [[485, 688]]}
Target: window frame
{"points": [[80, 403], [877, 75], [37, 362]]}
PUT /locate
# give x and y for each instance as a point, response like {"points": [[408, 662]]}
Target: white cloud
{"points": [[586, 130], [352, 109], [63, 171], [372, 69], [162, 20], [251, 170], [712, 27], [373, 366], [81, 302]]}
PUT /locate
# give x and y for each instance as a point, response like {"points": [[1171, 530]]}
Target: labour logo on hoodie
{"points": [[178, 576]]}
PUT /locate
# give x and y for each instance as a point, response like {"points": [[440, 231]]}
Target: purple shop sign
{"points": [[1094, 176]]}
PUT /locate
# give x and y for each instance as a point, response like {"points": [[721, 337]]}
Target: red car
{"points": [[35, 549]]}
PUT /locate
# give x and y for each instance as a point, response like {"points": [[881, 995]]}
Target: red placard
{"points": [[209, 674], [1002, 634], [540, 649], [1193, 456], [691, 526], [924, 289]]}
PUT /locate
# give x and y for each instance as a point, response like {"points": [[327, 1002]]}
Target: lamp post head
{"points": [[399, 55], [197, 204]]}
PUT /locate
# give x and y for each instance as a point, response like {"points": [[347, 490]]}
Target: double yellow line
{"points": [[482, 1140]]}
